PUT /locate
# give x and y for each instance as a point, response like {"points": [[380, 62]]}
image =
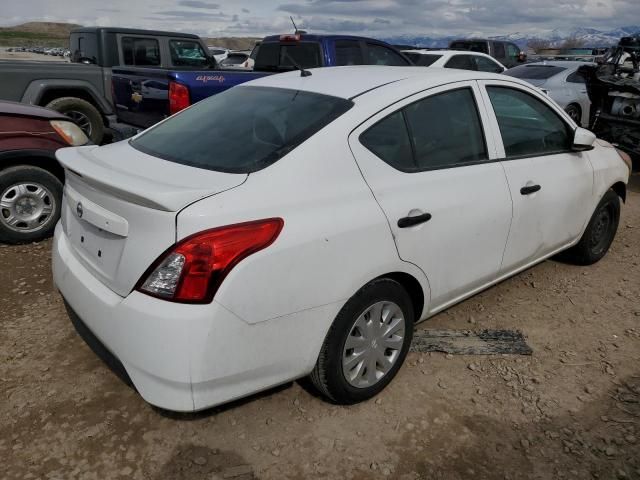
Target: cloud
{"points": [[199, 4]]}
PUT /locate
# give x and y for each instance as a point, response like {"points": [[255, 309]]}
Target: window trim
{"points": [[502, 156], [402, 109]]}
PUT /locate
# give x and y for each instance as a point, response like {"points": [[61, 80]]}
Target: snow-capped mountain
{"points": [[590, 37]]}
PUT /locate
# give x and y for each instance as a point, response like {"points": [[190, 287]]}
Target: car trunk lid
{"points": [[120, 207]]}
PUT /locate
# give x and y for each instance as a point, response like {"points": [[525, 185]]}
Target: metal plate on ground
{"points": [[465, 342]]}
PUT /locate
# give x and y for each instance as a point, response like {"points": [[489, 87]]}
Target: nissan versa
{"points": [[302, 224]]}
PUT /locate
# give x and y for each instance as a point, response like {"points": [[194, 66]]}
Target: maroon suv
{"points": [[30, 177]]}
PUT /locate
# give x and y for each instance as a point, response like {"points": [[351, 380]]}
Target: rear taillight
{"points": [[178, 97], [192, 270]]}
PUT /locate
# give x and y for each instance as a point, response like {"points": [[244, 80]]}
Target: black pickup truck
{"points": [[83, 88]]}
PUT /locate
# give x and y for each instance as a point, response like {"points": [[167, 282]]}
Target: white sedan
{"points": [[464, 60], [301, 225]]}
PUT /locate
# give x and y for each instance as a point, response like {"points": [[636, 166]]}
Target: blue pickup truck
{"points": [[143, 97]]}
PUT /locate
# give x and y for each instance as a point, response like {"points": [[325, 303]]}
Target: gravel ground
{"points": [[571, 410]]}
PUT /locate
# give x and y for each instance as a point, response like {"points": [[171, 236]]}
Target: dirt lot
{"points": [[571, 410]]}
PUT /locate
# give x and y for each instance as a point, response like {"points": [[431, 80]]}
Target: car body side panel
{"points": [[333, 228]]}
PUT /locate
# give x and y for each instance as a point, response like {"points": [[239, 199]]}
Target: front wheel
{"points": [[600, 232], [30, 202], [366, 344]]}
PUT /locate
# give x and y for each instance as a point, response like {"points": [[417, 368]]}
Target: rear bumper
{"points": [[188, 357]]}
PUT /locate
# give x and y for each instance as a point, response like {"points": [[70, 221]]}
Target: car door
{"points": [[550, 184], [431, 169]]}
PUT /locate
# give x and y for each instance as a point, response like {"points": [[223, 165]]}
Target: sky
{"points": [[381, 18]]}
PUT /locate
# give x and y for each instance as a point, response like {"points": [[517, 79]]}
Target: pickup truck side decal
{"points": [[210, 78]]}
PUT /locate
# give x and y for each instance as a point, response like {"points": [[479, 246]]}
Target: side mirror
{"points": [[583, 140]]}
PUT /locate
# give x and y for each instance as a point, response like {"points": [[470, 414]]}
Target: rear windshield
{"points": [[534, 71], [241, 130], [473, 46], [422, 59], [84, 47], [276, 56]]}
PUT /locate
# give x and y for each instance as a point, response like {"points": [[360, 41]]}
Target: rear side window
{"points": [[277, 56], [381, 55], [527, 125], [84, 47], [463, 62], [241, 130], [422, 59], [389, 140], [140, 51], [426, 134], [187, 53], [348, 52]]}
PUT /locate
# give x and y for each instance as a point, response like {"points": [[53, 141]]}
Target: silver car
{"points": [[562, 82]]}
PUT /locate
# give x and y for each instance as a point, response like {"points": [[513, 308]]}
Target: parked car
{"points": [[562, 82], [507, 53], [277, 53], [235, 60], [219, 53], [30, 176], [252, 57], [301, 224], [476, 61], [82, 89]]}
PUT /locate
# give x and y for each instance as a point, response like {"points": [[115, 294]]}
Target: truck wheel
{"points": [[30, 204], [83, 113]]}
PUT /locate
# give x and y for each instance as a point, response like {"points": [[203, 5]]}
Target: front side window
{"points": [[348, 52], [241, 130], [140, 51], [381, 55], [187, 53], [527, 125], [443, 130], [462, 62]]}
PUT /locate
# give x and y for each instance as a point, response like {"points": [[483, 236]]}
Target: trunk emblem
{"points": [[79, 209]]}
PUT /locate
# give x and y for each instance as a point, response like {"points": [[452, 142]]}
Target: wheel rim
{"points": [[601, 230], [26, 207], [81, 120], [573, 113], [373, 345]]}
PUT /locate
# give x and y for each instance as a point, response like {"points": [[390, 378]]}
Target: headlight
{"points": [[70, 132]]}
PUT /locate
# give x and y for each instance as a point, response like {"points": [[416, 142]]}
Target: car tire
{"points": [[575, 112], [343, 374], [600, 232], [83, 113], [32, 188]]}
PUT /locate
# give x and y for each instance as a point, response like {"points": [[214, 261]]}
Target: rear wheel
{"points": [[366, 344], [30, 202], [600, 232], [86, 116]]}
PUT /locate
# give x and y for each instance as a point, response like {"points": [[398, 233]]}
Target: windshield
{"points": [[422, 59], [242, 130], [534, 71]]}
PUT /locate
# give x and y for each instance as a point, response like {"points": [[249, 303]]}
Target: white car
{"points": [[562, 82], [219, 53], [301, 225], [476, 61]]}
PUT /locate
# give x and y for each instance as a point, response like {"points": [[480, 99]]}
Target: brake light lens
{"points": [[193, 270], [290, 38], [178, 97]]}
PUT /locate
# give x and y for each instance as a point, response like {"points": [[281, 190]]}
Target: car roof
{"points": [[565, 64], [352, 81]]}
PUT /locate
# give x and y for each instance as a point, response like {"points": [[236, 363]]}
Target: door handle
{"points": [[528, 190], [405, 222]]}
